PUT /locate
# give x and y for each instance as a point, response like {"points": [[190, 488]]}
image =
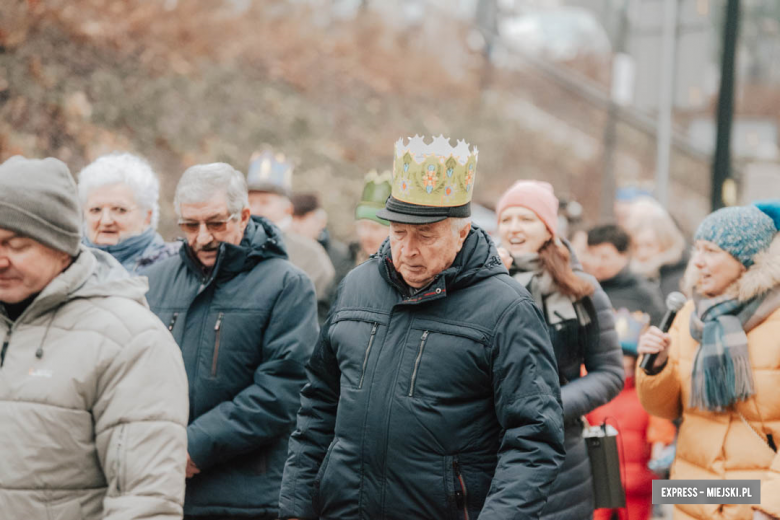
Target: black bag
{"points": [[604, 458]]}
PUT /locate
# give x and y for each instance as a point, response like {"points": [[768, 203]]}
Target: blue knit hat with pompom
{"points": [[742, 231]]}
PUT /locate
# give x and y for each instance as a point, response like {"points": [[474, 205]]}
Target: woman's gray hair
{"points": [[128, 169], [199, 183]]}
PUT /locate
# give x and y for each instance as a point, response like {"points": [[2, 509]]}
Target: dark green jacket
{"points": [[246, 332], [428, 406]]}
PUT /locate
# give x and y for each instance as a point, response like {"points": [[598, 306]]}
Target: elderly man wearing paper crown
{"points": [[433, 390]]}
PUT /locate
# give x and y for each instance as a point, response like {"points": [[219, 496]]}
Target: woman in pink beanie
{"points": [[581, 325]]}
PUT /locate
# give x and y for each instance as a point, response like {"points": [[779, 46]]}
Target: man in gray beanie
{"points": [[93, 393]]}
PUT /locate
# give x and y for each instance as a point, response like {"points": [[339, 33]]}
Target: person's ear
{"points": [[464, 232], [246, 214], [148, 220]]}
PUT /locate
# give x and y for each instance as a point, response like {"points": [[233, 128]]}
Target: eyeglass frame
{"points": [[209, 224]]}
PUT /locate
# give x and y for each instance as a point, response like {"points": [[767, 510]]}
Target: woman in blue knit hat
{"points": [[719, 366]]}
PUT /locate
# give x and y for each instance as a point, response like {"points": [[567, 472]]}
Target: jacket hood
{"points": [[477, 260], [760, 278], [262, 240]]}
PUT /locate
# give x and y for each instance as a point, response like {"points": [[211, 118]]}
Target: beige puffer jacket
{"points": [[93, 402]]}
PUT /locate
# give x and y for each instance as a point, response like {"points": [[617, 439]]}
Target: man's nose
{"points": [[5, 262], [204, 236], [409, 247]]}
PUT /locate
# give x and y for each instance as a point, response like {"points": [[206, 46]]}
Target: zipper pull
{"points": [[2, 353], [219, 321], [173, 321]]}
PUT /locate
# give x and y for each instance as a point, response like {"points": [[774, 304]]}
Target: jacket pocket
{"points": [[119, 464], [417, 361], [217, 333], [316, 502], [368, 353], [446, 363]]}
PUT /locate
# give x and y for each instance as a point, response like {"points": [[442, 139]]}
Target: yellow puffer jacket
{"points": [[713, 445]]}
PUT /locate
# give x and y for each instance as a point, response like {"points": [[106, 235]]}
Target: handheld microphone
{"points": [[674, 302]]}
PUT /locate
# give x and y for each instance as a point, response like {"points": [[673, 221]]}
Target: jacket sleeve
{"points": [[140, 416], [660, 394], [315, 431], [603, 361], [265, 409], [527, 402]]}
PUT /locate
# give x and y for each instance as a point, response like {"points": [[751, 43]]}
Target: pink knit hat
{"points": [[537, 196]]}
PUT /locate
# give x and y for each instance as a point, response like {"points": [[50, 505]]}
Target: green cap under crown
{"points": [[376, 190]]}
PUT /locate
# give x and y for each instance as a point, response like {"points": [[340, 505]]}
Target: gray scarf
{"points": [[556, 306]]}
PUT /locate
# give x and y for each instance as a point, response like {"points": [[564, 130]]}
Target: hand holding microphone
{"points": [[654, 343]]}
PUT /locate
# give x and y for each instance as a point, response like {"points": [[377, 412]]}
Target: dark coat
{"points": [[340, 256], [428, 405], [595, 346], [630, 291], [246, 332]]}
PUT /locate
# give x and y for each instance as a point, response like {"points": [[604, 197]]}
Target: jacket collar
{"points": [[92, 273]]}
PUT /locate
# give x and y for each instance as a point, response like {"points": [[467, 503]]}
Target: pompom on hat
{"points": [[537, 196], [742, 231]]}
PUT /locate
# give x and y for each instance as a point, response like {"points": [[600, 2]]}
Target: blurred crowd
{"points": [[426, 369]]}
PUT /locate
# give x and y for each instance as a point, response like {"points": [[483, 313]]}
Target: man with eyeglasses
{"points": [[245, 319]]}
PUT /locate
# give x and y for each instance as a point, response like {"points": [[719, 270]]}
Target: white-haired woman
{"points": [[659, 249], [119, 195]]}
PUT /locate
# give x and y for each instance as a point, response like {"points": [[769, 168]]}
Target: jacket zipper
{"points": [[417, 362], [368, 351], [217, 328], [462, 494], [6, 341], [173, 321]]}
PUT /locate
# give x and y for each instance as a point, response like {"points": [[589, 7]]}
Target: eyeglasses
{"points": [[212, 226], [96, 213]]}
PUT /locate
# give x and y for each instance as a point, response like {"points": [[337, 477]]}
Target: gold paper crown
{"points": [[434, 174]]}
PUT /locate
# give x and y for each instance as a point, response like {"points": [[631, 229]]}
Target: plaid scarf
{"points": [[721, 370]]}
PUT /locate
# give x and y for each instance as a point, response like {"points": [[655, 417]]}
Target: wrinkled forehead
{"points": [[117, 193], [214, 207]]}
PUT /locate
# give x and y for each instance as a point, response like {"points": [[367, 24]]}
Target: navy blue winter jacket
{"points": [[246, 331], [440, 405]]}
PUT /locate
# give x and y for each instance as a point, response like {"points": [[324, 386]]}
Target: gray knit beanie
{"points": [[38, 199]]}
